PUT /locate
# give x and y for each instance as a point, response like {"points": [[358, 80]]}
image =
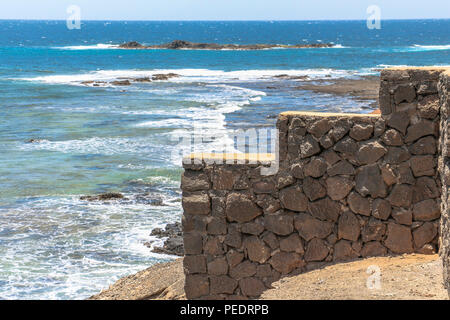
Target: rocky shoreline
{"points": [[181, 44], [365, 88], [173, 240], [149, 280]]}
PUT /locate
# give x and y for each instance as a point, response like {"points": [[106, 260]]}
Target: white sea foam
{"points": [[84, 250], [415, 48], [191, 75], [100, 46], [418, 47], [95, 145]]}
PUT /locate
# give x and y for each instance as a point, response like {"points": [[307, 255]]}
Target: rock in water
{"points": [[104, 197], [131, 45], [174, 244], [181, 44], [121, 83]]}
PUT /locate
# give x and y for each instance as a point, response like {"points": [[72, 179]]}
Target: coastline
{"points": [[166, 280]]}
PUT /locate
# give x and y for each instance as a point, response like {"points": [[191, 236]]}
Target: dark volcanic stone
{"points": [[325, 209], [286, 262], [399, 238], [279, 224], [369, 181], [309, 227], [240, 208], [348, 226], [316, 250], [294, 199]]}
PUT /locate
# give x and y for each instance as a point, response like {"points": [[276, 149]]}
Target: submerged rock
{"points": [[93, 83], [121, 83], [103, 197], [34, 141], [145, 79], [173, 245], [167, 76]]}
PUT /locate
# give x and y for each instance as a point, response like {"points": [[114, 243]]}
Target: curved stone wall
{"points": [[348, 186]]}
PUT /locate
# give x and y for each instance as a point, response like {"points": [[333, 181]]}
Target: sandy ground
{"points": [[402, 277]]}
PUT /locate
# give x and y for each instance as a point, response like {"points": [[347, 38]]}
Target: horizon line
{"points": [[214, 20]]}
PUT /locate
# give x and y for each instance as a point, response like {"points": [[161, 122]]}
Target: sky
{"points": [[223, 9]]}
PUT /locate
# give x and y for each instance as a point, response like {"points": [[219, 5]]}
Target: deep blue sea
{"points": [[107, 138]]}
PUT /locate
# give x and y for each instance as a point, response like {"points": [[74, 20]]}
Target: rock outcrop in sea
{"points": [[181, 44], [173, 245]]}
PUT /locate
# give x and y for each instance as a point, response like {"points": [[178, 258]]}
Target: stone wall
{"points": [[444, 169], [349, 186]]}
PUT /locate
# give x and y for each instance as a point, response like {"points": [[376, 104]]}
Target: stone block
{"points": [[309, 227], [196, 286], [424, 234], [194, 181], [399, 239], [218, 267], [193, 243], [241, 209], [251, 287], [294, 199], [423, 165], [292, 243], [338, 187], [314, 189], [222, 284], [286, 262], [361, 131], [343, 251], [342, 167], [325, 209], [370, 152], [348, 226], [374, 230], [316, 250], [256, 250], [194, 264], [381, 209], [358, 204], [197, 204], [243, 270], [373, 249], [426, 210], [279, 224], [315, 168], [369, 181]]}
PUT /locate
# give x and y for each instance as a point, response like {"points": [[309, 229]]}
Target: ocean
{"points": [[108, 138]]}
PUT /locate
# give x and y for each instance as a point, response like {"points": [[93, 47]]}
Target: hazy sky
{"points": [[223, 9]]}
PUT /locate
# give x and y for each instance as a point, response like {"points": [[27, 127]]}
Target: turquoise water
{"points": [[124, 139]]}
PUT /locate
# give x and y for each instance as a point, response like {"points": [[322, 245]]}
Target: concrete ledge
{"points": [[247, 157], [326, 114]]}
